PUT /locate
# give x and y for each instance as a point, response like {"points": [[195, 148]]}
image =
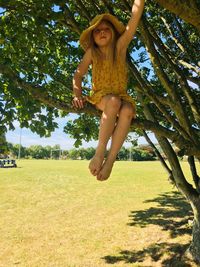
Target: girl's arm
{"points": [[131, 27], [78, 101]]}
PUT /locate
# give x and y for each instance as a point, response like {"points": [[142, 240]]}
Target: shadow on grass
{"points": [[156, 251], [171, 214]]}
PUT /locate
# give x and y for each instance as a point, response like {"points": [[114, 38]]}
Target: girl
{"points": [[105, 43]]}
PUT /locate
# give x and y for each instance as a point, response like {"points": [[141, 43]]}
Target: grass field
{"points": [[55, 214]]}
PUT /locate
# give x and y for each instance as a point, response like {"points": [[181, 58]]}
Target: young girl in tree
{"points": [[105, 43]]}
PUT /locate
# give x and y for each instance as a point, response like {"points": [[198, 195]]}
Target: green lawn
{"points": [[55, 214]]}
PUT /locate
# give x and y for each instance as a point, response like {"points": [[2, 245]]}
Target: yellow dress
{"points": [[108, 79]]}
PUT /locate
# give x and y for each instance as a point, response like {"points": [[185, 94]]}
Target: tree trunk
{"points": [[194, 250], [182, 185]]}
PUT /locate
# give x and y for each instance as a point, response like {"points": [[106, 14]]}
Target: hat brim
{"points": [[85, 35]]}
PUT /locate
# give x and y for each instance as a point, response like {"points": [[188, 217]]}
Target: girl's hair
{"points": [[96, 53]]}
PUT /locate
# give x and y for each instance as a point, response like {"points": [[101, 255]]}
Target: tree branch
{"points": [[193, 169], [175, 103], [187, 10], [184, 84], [69, 18], [179, 177], [83, 9], [175, 137], [144, 88], [166, 167]]}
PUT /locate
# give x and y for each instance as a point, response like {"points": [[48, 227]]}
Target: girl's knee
{"points": [[114, 102], [127, 110]]}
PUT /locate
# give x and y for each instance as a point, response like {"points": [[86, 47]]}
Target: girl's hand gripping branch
{"points": [[78, 102]]}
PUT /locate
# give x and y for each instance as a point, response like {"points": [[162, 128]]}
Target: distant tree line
{"points": [[139, 153]]}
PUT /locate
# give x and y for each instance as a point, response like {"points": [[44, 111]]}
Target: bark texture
{"points": [[187, 10], [194, 249]]}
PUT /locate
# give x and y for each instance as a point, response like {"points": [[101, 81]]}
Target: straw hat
{"points": [[85, 35]]}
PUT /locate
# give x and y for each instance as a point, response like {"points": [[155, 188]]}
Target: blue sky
{"points": [[58, 137]]}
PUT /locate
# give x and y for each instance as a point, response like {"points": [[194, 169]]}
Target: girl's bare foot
{"points": [[105, 170], [95, 164]]}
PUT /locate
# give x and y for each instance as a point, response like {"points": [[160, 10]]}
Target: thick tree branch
{"points": [[193, 169], [161, 132], [189, 66], [187, 10]]}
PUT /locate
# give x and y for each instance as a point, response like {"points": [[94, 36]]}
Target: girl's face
{"points": [[102, 34]]}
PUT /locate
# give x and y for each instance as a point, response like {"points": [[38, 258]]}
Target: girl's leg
{"points": [[110, 105], [126, 115]]}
